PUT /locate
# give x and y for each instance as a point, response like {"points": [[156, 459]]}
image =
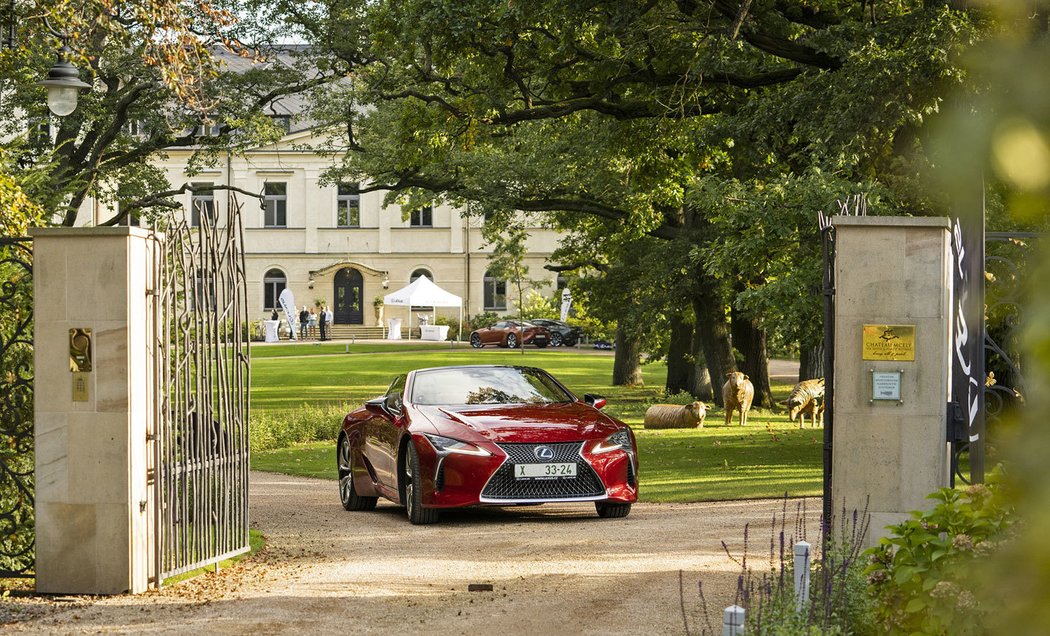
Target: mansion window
{"points": [[411, 279], [284, 122], [423, 217], [348, 206], [275, 204], [274, 283], [202, 204], [495, 292]]}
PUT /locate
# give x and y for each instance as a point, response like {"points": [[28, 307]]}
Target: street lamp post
{"points": [[63, 84]]}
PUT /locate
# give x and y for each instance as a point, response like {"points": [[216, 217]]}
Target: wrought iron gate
{"points": [[201, 458], [991, 268], [16, 408]]}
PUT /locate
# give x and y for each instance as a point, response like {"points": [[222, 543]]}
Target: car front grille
{"points": [[502, 486]]}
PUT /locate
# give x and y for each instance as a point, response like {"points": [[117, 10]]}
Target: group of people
{"points": [[311, 322]]}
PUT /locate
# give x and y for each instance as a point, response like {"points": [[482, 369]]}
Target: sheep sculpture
{"points": [[737, 394], [807, 398], [676, 415]]}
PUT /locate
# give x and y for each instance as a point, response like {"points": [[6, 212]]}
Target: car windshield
{"points": [[486, 385]]}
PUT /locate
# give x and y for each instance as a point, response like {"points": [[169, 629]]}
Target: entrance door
{"points": [[348, 290]]}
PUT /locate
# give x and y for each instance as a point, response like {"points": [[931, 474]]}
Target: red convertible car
{"points": [[449, 437], [508, 333]]}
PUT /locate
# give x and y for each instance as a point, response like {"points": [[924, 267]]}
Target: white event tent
{"points": [[423, 292]]}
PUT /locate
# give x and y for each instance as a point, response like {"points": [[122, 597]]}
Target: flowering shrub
{"points": [[926, 576]]}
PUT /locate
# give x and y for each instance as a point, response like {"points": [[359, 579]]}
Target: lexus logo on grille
{"points": [[543, 452]]}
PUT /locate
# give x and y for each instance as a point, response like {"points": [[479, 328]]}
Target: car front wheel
{"points": [[556, 339], [475, 341], [607, 510], [417, 514], [347, 495], [512, 341]]}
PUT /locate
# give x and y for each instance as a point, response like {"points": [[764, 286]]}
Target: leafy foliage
{"points": [[925, 574], [163, 73]]}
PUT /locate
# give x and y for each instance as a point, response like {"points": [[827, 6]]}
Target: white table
{"points": [[271, 329], [433, 332], [393, 328]]}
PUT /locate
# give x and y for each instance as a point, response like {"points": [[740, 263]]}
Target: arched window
{"points": [[411, 279], [274, 283], [420, 272], [495, 292]]}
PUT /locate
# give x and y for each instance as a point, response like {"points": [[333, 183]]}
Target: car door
{"points": [[381, 435], [494, 334]]}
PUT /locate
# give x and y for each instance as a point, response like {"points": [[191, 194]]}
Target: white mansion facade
{"points": [[334, 246]]}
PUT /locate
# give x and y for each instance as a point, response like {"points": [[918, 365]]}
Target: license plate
{"points": [[544, 471]]}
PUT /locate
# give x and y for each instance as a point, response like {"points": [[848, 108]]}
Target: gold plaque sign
{"points": [[889, 342]]}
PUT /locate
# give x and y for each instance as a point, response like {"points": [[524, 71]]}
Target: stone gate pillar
{"points": [[893, 299], [94, 403]]}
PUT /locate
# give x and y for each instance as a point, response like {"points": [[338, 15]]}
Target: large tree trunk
{"points": [[811, 360], [627, 361], [714, 334], [679, 362], [749, 338], [699, 376]]}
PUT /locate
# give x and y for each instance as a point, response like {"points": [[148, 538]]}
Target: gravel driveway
{"points": [[552, 568]]}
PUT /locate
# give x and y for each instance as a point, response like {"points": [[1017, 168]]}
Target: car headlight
{"points": [[620, 440], [445, 445]]}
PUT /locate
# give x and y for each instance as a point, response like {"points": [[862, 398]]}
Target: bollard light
{"points": [[63, 85]]}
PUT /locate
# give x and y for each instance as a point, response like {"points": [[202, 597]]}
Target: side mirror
{"points": [[377, 407], [596, 401], [392, 404]]}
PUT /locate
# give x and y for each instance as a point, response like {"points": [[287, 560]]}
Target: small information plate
{"points": [[80, 386], [888, 342], [545, 471], [886, 385]]}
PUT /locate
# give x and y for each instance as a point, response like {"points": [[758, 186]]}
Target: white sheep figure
{"points": [[676, 415]]}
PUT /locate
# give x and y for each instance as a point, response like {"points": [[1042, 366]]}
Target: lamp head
{"points": [[63, 85]]}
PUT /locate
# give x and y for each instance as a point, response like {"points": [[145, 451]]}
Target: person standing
{"points": [[322, 322], [330, 319], [312, 324], [304, 321]]}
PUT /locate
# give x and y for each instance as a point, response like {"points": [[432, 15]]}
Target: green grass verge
{"points": [[282, 383], [256, 541]]}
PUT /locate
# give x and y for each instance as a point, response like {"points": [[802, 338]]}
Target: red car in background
{"points": [[508, 333], [449, 437]]}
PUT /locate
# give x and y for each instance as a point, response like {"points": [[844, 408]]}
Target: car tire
{"points": [[607, 510], [556, 339], [475, 341], [417, 514], [347, 495], [512, 341]]}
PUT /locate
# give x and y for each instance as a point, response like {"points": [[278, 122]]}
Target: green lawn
{"points": [[281, 382], [768, 458]]}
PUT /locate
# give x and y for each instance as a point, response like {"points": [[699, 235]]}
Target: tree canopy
{"points": [[723, 126], [163, 73]]}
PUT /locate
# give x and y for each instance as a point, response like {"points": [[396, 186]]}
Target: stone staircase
{"points": [[359, 332]]}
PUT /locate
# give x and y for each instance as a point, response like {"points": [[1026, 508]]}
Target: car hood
{"points": [[516, 423]]}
